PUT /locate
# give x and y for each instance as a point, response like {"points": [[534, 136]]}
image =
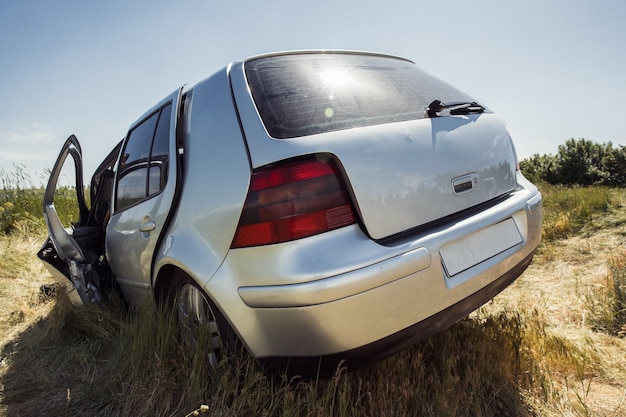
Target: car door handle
{"points": [[147, 226]]}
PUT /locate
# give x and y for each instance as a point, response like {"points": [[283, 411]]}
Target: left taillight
{"points": [[292, 201]]}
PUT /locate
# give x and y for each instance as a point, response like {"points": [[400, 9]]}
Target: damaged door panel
{"points": [[74, 255]]}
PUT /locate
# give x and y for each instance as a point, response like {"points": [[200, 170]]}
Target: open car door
{"points": [[73, 255]]}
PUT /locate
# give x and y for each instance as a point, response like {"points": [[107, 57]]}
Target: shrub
{"points": [[579, 162]]}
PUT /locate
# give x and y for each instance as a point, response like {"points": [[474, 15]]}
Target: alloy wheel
{"points": [[197, 321]]}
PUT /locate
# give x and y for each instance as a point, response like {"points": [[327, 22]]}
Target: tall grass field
{"points": [[552, 344]]}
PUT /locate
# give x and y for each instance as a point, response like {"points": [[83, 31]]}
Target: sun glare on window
{"points": [[334, 78]]}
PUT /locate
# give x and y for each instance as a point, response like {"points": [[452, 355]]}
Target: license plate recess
{"points": [[480, 246]]}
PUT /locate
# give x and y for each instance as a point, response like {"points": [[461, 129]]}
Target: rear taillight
{"points": [[293, 201]]}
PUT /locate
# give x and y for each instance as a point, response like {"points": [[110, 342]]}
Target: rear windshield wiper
{"points": [[454, 108]]}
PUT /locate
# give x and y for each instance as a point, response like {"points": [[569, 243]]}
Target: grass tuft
{"points": [[21, 209], [607, 303], [569, 211]]}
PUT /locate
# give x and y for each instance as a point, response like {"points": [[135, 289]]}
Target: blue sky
{"points": [[552, 69]]}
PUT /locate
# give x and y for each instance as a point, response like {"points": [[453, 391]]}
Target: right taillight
{"points": [[292, 201]]}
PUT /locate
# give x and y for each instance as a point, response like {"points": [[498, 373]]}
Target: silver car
{"points": [[315, 205]]}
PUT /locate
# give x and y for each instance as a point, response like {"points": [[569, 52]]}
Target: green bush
{"points": [[579, 162]]}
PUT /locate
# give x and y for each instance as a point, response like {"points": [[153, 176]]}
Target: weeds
{"points": [[21, 207], [136, 366], [571, 210], [18, 179], [607, 304], [88, 361], [618, 276]]}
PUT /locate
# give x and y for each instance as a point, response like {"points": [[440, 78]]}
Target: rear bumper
{"points": [[337, 287], [389, 345], [341, 294]]}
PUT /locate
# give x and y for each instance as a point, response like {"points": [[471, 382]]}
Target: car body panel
{"points": [[66, 247], [336, 287], [199, 239]]}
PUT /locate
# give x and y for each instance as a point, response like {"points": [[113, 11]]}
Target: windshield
{"points": [[300, 95]]}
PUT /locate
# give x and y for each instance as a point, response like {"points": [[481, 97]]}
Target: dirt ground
{"points": [[558, 286]]}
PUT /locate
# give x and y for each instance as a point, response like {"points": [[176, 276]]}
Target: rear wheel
{"points": [[198, 322], [202, 325]]}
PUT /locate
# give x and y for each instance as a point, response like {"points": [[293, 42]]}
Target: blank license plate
{"points": [[479, 246]]}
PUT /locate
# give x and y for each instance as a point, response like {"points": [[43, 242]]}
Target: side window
{"points": [[131, 188], [159, 156], [143, 164]]}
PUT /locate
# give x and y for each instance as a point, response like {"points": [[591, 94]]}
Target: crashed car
{"points": [[313, 205]]}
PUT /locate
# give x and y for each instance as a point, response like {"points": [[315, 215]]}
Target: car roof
{"points": [[323, 52]]}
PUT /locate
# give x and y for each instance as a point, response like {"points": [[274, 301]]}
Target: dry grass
{"points": [[21, 275], [568, 286], [533, 351]]}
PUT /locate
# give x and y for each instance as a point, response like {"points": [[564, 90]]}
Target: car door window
{"points": [[158, 156], [143, 165]]}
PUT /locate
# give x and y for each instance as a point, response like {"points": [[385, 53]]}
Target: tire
{"points": [[201, 324]]}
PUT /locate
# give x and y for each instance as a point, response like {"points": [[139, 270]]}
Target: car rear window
{"points": [[306, 94]]}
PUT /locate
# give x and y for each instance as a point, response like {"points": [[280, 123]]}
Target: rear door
{"points": [[144, 193]]}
